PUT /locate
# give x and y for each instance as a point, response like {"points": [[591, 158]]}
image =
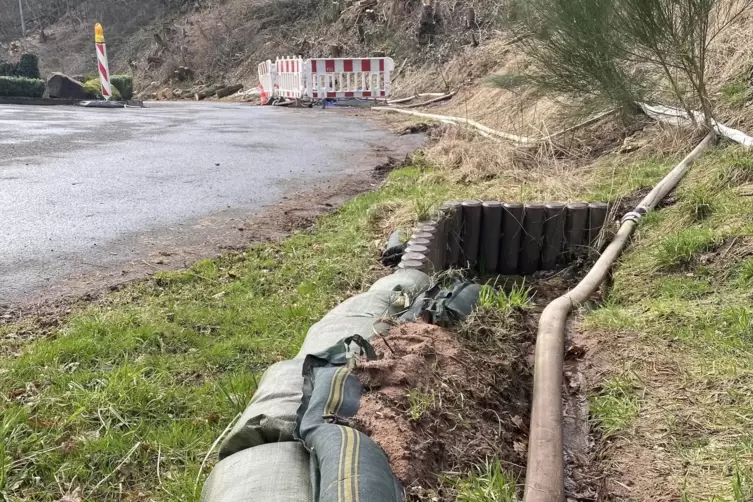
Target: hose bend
{"points": [[545, 473]]}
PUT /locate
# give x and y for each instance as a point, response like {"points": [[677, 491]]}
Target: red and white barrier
{"points": [[349, 78], [294, 78], [267, 79], [290, 77]]}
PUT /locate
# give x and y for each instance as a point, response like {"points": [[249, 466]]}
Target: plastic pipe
{"points": [[545, 473]]}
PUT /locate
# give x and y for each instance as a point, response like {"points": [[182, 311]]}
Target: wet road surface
{"points": [[79, 187]]}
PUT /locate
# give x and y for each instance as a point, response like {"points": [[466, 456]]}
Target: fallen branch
{"points": [[443, 97], [411, 98], [402, 100], [399, 70], [517, 39]]}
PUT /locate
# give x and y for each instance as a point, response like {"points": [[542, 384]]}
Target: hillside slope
{"points": [[227, 40]]}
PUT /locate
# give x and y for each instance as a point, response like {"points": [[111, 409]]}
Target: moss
{"points": [[94, 90]]}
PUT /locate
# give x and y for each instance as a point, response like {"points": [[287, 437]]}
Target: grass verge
{"points": [[679, 391]]}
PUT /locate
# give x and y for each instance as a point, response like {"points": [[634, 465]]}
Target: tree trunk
{"points": [[229, 90]]}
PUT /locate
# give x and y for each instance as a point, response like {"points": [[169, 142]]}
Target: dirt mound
{"points": [[436, 405]]}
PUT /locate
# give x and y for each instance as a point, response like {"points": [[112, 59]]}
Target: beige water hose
{"points": [[545, 474]]}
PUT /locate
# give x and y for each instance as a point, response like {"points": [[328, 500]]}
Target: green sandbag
{"points": [[413, 282], [444, 306], [275, 472], [329, 332], [271, 415], [369, 304]]}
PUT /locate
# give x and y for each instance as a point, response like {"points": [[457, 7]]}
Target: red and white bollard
{"points": [[104, 70]]}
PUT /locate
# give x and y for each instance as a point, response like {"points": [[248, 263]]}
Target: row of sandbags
{"points": [[282, 449]]}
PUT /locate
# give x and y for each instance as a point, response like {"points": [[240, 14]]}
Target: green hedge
{"points": [[22, 87], [124, 84], [28, 67]]}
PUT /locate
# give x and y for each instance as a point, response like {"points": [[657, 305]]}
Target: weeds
{"points": [[488, 483], [735, 93], [742, 483], [746, 272], [616, 406], [698, 203], [737, 168], [518, 298], [420, 402], [680, 249]]}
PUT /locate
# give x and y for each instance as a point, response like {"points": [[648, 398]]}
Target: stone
{"points": [[63, 86]]}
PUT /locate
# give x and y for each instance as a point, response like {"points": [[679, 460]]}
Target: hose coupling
{"points": [[636, 215]]}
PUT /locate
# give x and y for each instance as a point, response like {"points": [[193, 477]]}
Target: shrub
{"points": [[94, 90], [614, 52], [124, 84], [22, 87], [28, 67], [6, 69]]}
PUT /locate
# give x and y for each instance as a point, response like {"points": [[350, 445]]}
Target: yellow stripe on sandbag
{"points": [[356, 466], [332, 386], [346, 374], [341, 466], [348, 460]]}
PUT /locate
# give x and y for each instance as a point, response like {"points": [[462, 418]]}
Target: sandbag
{"points": [[329, 332], [359, 315], [346, 465], [442, 306], [275, 472], [271, 415], [394, 250], [349, 467], [369, 304], [410, 281]]}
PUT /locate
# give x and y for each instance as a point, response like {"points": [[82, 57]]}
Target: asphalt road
{"points": [[80, 188]]}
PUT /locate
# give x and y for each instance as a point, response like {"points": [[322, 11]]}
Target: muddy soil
{"points": [[437, 403]]}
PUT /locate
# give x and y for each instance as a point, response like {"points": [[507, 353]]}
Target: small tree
{"points": [[618, 52], [572, 47]]}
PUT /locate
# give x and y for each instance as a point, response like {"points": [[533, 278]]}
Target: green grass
{"points": [[616, 405], [735, 93], [420, 402], [683, 288], [517, 298], [681, 248], [488, 483]]}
